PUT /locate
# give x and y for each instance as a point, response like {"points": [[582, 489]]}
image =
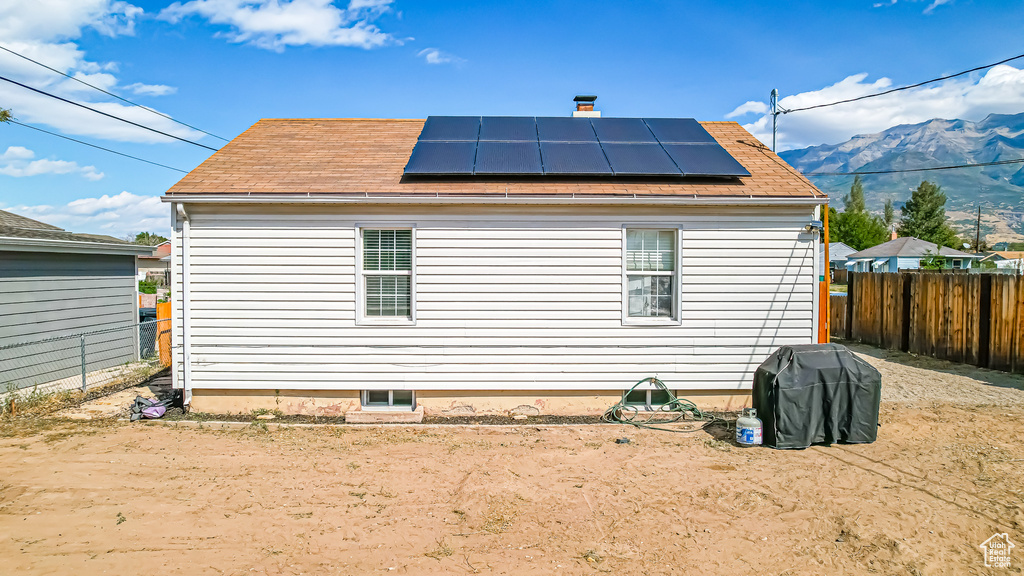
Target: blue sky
{"points": [[221, 65]]}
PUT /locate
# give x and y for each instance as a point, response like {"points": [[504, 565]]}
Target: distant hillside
{"points": [[999, 189]]}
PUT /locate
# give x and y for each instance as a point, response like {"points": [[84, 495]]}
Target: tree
{"points": [[5, 115], [924, 217], [855, 226], [147, 239], [854, 201], [889, 214]]}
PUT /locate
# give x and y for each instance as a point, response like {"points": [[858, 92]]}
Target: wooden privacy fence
{"points": [[971, 318]]}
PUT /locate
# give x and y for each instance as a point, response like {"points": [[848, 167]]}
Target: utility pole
{"points": [[775, 114], [977, 231]]}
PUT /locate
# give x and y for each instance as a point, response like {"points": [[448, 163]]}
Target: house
{"points": [[837, 253], [55, 283], [156, 267], [905, 253], [1006, 260], [330, 266]]}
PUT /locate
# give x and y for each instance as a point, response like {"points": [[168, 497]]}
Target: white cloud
{"points": [[119, 215], [748, 107], [277, 24], [17, 161], [1000, 90], [45, 30], [17, 153], [50, 19], [931, 7], [435, 56], [935, 4], [151, 89]]}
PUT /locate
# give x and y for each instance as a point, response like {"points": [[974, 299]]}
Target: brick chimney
{"points": [[892, 235], [585, 107]]}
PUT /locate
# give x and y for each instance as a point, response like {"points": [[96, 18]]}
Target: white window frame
{"points": [[361, 318], [364, 400], [676, 318]]}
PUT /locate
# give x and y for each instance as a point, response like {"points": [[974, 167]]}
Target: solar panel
{"points": [[508, 158], [705, 160], [639, 160], [451, 128], [442, 158], [678, 130], [581, 158], [494, 145], [622, 130], [508, 129], [565, 130]]}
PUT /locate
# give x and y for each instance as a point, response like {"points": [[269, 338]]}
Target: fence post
{"points": [[985, 321], [84, 387], [851, 284]]}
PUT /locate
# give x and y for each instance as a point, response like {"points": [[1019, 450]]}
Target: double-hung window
{"points": [[650, 275], [386, 269]]}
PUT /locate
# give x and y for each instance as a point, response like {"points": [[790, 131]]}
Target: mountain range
{"points": [[998, 190]]}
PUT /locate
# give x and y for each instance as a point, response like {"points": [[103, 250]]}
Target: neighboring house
{"points": [[325, 266], [837, 253], [1006, 260], [158, 266], [905, 253], [56, 283]]}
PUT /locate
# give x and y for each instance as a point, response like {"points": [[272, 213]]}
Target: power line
{"points": [[919, 84], [100, 147], [44, 93], [997, 163], [80, 81]]}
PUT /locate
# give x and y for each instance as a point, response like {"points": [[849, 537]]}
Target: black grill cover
{"points": [[816, 393]]}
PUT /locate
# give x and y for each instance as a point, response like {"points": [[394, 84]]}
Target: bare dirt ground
{"points": [[101, 496]]}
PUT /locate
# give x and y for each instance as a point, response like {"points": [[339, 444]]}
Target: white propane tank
{"points": [[748, 428]]}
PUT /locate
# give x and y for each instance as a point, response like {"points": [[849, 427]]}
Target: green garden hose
{"points": [[675, 410]]}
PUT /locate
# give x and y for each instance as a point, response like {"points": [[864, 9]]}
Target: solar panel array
{"points": [[525, 146]]}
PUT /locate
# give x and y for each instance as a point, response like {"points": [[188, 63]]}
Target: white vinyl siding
{"points": [[505, 299]]}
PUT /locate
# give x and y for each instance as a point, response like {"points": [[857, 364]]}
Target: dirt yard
{"points": [[95, 497]]}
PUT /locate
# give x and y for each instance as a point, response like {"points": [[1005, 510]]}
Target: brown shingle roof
{"points": [[367, 157]]}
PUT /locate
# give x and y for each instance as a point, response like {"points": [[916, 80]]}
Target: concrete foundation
{"points": [[444, 402]]}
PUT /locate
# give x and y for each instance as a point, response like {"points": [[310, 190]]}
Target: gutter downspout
{"points": [[816, 284], [186, 307]]}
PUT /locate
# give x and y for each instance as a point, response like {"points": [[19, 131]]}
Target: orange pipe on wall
{"points": [[825, 304]]}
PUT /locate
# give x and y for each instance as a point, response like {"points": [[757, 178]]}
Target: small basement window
{"points": [[389, 399], [648, 399]]}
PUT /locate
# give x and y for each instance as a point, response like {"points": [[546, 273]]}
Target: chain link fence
{"points": [[85, 360]]}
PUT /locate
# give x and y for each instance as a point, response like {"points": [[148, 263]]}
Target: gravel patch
{"points": [[908, 378]]}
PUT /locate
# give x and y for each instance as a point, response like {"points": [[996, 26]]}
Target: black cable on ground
{"points": [[671, 412]]}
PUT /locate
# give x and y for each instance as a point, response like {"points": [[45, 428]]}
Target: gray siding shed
{"points": [[54, 284]]}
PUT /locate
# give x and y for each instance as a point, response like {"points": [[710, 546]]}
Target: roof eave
{"points": [[16, 244], [566, 199]]}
